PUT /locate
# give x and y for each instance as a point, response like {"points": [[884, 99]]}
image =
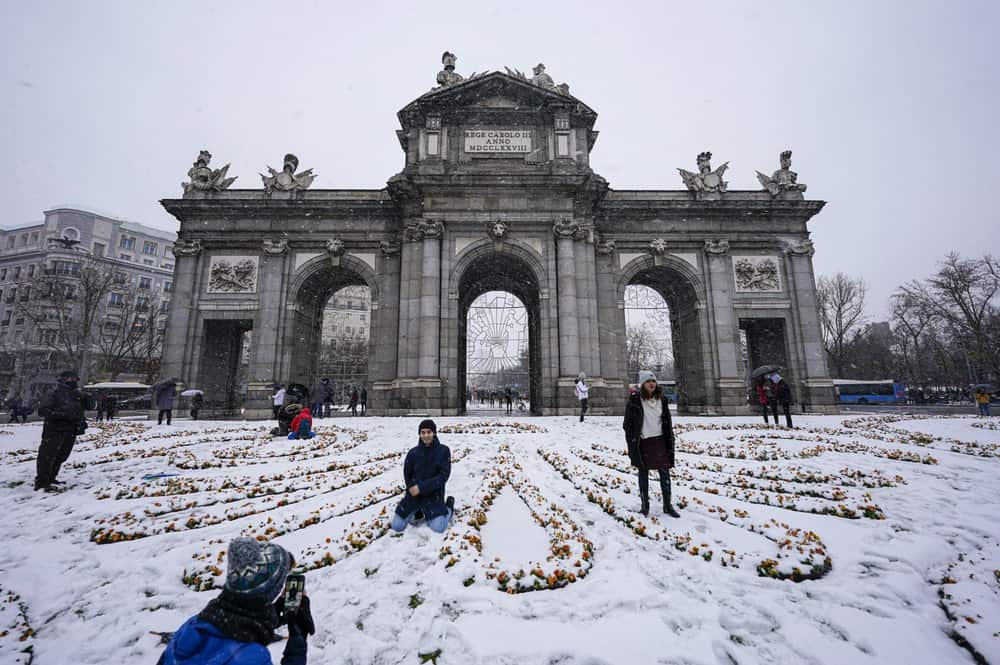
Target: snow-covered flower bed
{"points": [[845, 540]]}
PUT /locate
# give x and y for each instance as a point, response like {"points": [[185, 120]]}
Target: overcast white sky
{"points": [[891, 108]]}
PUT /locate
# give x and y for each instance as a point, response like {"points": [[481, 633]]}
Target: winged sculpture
{"points": [[706, 183]]}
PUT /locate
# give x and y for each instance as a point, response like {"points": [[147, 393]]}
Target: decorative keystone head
{"points": [[716, 246], [335, 247], [498, 229], [658, 246], [275, 247]]}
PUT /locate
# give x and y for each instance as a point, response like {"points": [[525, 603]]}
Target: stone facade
{"points": [[497, 193]]}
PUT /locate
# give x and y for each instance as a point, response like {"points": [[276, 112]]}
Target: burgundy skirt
{"points": [[655, 454]]}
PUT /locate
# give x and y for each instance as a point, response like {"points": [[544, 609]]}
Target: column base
{"points": [[410, 397]]}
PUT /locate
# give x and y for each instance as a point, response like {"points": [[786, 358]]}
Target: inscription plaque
{"points": [[498, 140]]}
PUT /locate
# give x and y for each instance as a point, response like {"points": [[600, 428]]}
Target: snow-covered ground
{"points": [[848, 540]]}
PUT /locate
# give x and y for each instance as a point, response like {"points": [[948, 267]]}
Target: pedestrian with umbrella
{"points": [[762, 389], [165, 395], [197, 401]]}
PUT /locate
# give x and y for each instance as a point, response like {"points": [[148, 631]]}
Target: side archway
{"points": [[681, 288], [311, 288]]}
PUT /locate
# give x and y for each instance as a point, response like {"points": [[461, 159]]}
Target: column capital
{"points": [[187, 248], [717, 247], [274, 247], [566, 229], [803, 247]]}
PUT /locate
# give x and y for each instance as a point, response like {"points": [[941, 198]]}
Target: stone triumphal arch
{"points": [[496, 193]]}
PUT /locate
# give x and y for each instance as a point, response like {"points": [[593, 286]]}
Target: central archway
{"points": [[502, 272]]}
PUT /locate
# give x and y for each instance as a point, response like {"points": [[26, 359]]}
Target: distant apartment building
{"points": [[347, 313], [32, 255]]}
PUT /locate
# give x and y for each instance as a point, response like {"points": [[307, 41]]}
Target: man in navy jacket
{"points": [[425, 472]]}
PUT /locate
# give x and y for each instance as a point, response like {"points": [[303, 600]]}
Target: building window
{"points": [[17, 273], [117, 300], [25, 294], [361, 332], [562, 145], [3, 275], [120, 277], [19, 321], [142, 304], [167, 287], [433, 144], [145, 283], [99, 248], [6, 318], [31, 270], [64, 268], [11, 296], [10, 242], [47, 336], [34, 238], [149, 248], [127, 243], [164, 305], [125, 257], [168, 266]]}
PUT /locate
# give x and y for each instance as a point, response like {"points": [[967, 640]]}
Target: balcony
{"points": [[64, 272]]}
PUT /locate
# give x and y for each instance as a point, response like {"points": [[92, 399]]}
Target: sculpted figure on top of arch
{"points": [[707, 184], [206, 179], [783, 183], [288, 180], [448, 76]]}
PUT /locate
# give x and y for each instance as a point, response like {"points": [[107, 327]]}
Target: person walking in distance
{"points": [[509, 399], [355, 398], [582, 393], [196, 403], [649, 435], [783, 396], [166, 395], [762, 400], [63, 410], [320, 393], [983, 402], [364, 401], [278, 400]]}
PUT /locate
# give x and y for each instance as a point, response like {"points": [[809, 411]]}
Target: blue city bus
{"points": [[850, 391]]}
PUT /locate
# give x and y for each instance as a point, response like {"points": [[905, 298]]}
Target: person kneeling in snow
{"points": [[236, 627], [426, 471], [302, 425]]}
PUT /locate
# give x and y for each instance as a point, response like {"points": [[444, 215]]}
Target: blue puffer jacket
{"points": [[427, 467], [198, 642]]}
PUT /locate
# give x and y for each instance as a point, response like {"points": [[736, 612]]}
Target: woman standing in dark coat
{"points": [[649, 434]]}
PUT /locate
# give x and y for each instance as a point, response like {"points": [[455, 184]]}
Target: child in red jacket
{"points": [[301, 427]]}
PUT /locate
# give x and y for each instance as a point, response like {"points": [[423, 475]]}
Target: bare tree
{"points": [[640, 348], [129, 339], [914, 325], [65, 303], [963, 294], [842, 314]]}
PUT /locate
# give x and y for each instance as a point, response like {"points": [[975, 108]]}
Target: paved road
{"points": [[919, 409]]}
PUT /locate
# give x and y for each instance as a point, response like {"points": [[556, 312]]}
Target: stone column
{"points": [[181, 317], [409, 302], [818, 393], [430, 301], [269, 320], [729, 380], [569, 330]]}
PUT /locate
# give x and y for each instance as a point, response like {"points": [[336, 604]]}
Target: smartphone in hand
{"points": [[295, 586]]}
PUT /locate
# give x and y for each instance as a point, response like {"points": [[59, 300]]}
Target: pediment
{"points": [[494, 90]]}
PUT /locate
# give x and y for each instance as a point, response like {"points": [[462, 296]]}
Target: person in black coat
{"points": [[426, 471], [63, 410], [649, 434], [783, 396]]}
